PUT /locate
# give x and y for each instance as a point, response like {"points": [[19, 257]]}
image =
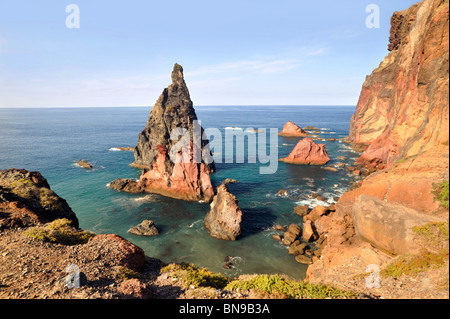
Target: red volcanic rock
{"points": [[403, 108], [223, 220], [306, 152], [292, 129], [183, 175], [187, 181], [128, 254]]}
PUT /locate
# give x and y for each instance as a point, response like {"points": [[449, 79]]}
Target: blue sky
{"points": [[243, 52]]}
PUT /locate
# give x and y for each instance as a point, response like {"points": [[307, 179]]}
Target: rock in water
{"points": [[306, 152], [146, 228], [292, 129], [223, 220], [186, 177]]}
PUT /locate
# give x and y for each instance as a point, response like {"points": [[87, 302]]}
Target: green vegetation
{"points": [[412, 265], [441, 193], [277, 286], [124, 273], [59, 231], [21, 187], [268, 286], [192, 275], [434, 233], [49, 199]]}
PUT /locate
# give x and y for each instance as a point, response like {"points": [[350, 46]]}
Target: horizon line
{"points": [[150, 106]]}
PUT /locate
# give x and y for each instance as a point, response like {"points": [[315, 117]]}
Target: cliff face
{"points": [[27, 200], [188, 176], [403, 117], [403, 107]]}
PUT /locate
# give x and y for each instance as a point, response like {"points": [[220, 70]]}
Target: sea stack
{"points": [[307, 152], [223, 221], [292, 129], [187, 176]]}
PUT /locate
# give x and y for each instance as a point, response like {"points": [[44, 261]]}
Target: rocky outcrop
{"points": [[84, 164], [145, 228], [292, 129], [307, 152], [403, 108], [403, 116], [387, 226], [223, 221], [187, 175], [27, 200]]}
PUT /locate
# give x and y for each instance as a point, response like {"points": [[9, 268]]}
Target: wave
{"points": [[233, 128], [114, 149]]}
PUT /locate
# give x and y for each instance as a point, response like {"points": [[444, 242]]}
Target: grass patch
{"points": [[277, 286], [434, 233], [59, 231], [124, 273], [267, 286], [441, 193], [191, 275], [412, 265]]}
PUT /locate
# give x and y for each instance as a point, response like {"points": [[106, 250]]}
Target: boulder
{"points": [[126, 185], [288, 238], [292, 129], [301, 210], [223, 221], [146, 228], [303, 259], [386, 226], [317, 212], [297, 249], [125, 253], [309, 231], [331, 169], [307, 152]]}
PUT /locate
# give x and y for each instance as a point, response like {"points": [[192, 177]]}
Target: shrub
{"points": [[441, 193], [192, 275], [59, 231], [279, 286]]}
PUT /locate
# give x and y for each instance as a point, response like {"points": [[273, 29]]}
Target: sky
{"points": [[234, 52]]}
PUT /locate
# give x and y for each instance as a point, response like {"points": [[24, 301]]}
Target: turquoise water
{"points": [[51, 140]]}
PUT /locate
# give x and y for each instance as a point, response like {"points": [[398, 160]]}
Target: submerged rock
{"points": [[307, 152], [84, 164], [223, 221]]}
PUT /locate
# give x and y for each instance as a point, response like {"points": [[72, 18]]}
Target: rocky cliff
{"points": [[27, 200], [185, 175], [402, 117], [403, 107]]}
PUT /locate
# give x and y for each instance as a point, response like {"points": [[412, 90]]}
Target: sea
{"points": [[52, 140]]}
